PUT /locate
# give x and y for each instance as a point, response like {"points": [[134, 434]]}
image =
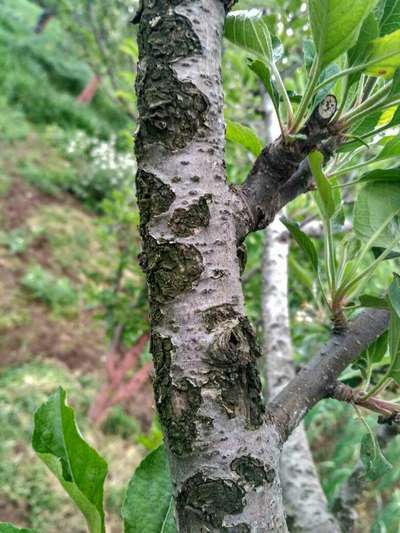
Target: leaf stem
{"points": [[309, 93], [368, 105], [282, 90]]}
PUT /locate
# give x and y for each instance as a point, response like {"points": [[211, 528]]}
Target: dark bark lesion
{"points": [[185, 221], [206, 500]]}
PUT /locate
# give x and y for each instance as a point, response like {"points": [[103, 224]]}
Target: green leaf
{"points": [[5, 527], [309, 52], [248, 29], [336, 26], [394, 294], [376, 464], [79, 468], [325, 197], [148, 503], [359, 53], [394, 329], [244, 136], [382, 174], [377, 350], [390, 20], [327, 73], [390, 149], [376, 214], [368, 300], [303, 241], [386, 49], [263, 73], [377, 252]]}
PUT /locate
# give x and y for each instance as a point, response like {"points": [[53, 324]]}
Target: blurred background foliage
{"points": [[71, 289]]}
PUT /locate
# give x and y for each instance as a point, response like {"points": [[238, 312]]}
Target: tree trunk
{"points": [[223, 455]]}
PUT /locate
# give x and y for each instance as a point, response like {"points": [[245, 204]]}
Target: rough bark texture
{"points": [[305, 502], [224, 457]]}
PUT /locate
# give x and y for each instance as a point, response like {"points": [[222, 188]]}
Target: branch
{"points": [[281, 173], [387, 410], [317, 379]]}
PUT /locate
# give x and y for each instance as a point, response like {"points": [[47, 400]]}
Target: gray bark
{"points": [[223, 454], [305, 502]]}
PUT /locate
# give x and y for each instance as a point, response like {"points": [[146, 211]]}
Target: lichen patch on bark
{"points": [[172, 111], [218, 314]]}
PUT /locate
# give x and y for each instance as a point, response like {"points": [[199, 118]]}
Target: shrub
{"points": [[55, 292]]}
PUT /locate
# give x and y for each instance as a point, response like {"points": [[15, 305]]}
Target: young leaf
{"points": [[394, 329], [263, 72], [376, 214], [368, 300], [148, 503], [248, 29], [387, 50], [335, 26], [359, 53], [376, 464], [390, 20], [384, 174], [303, 241], [77, 466], [244, 136], [394, 294], [5, 527], [325, 197]]}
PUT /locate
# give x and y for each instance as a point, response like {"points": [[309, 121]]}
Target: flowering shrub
{"points": [[103, 168]]}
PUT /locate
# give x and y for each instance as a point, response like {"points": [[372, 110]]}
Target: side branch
{"points": [[315, 381], [281, 173]]}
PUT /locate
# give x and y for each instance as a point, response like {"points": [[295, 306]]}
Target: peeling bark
{"points": [[305, 502], [223, 455]]}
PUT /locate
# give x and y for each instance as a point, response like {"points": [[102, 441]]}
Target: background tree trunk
{"points": [[305, 502]]}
